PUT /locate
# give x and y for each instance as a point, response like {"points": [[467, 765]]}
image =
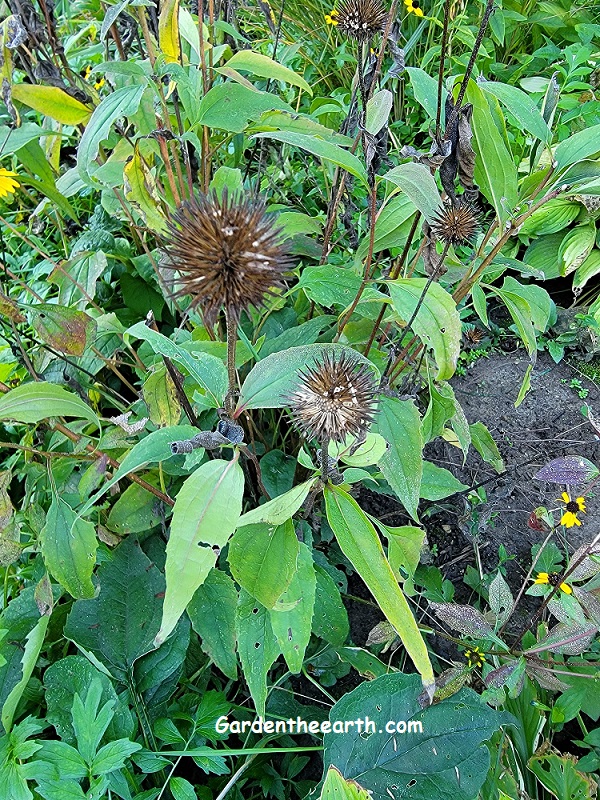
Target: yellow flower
{"points": [[412, 6], [331, 18], [8, 184], [474, 657], [99, 84], [86, 72], [553, 579], [572, 508]]}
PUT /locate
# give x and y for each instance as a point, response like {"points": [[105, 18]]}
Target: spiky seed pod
{"points": [[361, 19], [334, 399], [455, 224], [228, 253], [473, 336]]}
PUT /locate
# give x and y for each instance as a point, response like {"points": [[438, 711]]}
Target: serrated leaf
{"points": [[212, 613]]}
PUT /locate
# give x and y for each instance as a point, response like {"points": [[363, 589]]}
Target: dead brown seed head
{"points": [[227, 252], [455, 224], [361, 19], [335, 398]]}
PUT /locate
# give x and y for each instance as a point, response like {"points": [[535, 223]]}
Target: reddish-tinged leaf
{"points": [[568, 469]]}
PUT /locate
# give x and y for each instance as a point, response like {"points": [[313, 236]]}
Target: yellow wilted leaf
{"points": [[53, 102], [168, 30]]}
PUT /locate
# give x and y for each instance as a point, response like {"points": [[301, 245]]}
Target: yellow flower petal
{"points": [[542, 578], [569, 519], [565, 497], [419, 13], [566, 588], [581, 503]]}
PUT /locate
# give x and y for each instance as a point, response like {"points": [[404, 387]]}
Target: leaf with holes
{"points": [[501, 599], [441, 753], [257, 646], [65, 329]]}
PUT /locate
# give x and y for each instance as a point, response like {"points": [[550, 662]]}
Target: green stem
{"points": [[231, 374]]}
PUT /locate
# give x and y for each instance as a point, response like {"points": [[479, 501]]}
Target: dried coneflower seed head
{"points": [[228, 254], [334, 399], [361, 19], [455, 224]]}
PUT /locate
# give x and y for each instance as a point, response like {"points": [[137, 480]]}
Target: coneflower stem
{"points": [[231, 374], [438, 118], [325, 460]]}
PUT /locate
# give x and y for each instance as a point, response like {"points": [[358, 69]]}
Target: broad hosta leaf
{"points": [[291, 616], [263, 559], [33, 402], [273, 379], [212, 613], [257, 646], [567, 469], [437, 323], [65, 329], [360, 543], [69, 547], [417, 182], [265, 67], [578, 146], [330, 618], [52, 102], [495, 170], [119, 625], [464, 619], [206, 513], [399, 423], [208, 371], [319, 147], [280, 509], [442, 757]]}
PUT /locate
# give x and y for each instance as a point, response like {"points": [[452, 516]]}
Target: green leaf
{"points": [[443, 757], [399, 423], [280, 509], [439, 482], [277, 471], [136, 510], [580, 145], [495, 171], [52, 102], [33, 402], [520, 311], [291, 616], [369, 452], [360, 543], [182, 789], [560, 777], [141, 191], [437, 323], [270, 382], [336, 788], [212, 613], [521, 106], [487, 448], [33, 645], [322, 149], [231, 107], [378, 111], [265, 67], [541, 305], [160, 395], [263, 559], [158, 672], [425, 89], [156, 446], [119, 625], [588, 270], [404, 548], [206, 513], [525, 386], [69, 547], [64, 329], [329, 285], [417, 182], [330, 618], [120, 103], [257, 646], [208, 371]]}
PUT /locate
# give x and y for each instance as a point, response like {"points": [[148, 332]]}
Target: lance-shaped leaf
{"points": [[569, 640], [33, 402], [464, 619], [567, 469], [501, 599], [257, 646], [168, 30], [360, 543], [206, 513]]}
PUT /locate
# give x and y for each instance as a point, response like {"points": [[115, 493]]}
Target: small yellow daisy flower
{"points": [[572, 508], [8, 184], [553, 579], [413, 7], [99, 84], [474, 657], [331, 18]]}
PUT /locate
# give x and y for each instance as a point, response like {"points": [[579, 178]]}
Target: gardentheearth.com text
{"points": [[299, 725]]}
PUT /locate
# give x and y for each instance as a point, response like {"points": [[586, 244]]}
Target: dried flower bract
{"points": [[335, 398], [228, 253], [455, 224], [361, 19]]}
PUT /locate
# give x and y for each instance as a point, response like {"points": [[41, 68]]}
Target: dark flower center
{"points": [[554, 578], [572, 506]]}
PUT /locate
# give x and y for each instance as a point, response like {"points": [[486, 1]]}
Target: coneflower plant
{"points": [[229, 255], [335, 398], [361, 19], [455, 225]]}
